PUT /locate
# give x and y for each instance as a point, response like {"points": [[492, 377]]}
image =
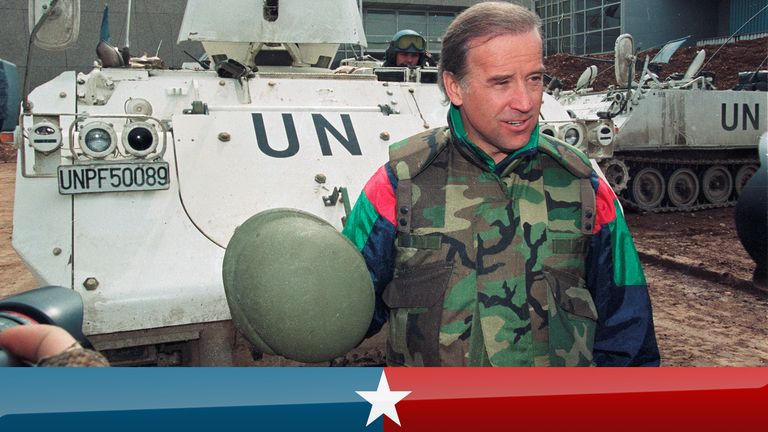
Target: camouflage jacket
{"points": [[527, 264]]}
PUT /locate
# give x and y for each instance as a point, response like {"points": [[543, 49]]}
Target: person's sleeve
{"points": [[625, 334], [371, 227]]}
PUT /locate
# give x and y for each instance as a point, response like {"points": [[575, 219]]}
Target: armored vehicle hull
{"points": [[680, 145], [131, 181]]}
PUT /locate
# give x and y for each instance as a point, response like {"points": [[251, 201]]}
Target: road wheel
{"points": [[742, 177], [648, 188], [717, 184], [683, 187], [616, 173]]}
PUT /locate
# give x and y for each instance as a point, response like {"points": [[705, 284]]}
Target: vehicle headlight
{"points": [[548, 130], [45, 136], [98, 139], [572, 134], [603, 134], [139, 138]]}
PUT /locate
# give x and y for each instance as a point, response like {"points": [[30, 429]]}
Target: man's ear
{"points": [[453, 88]]}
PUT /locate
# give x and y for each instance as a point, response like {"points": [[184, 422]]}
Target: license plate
{"points": [[120, 177]]}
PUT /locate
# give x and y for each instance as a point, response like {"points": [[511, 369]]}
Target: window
{"points": [[565, 26], [578, 44], [609, 39], [414, 21], [594, 42], [579, 22], [612, 15], [579, 26], [379, 28], [552, 30], [552, 46], [438, 23], [594, 20], [381, 25]]}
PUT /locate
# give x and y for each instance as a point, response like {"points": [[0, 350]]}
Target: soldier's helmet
{"points": [[406, 41], [296, 287]]}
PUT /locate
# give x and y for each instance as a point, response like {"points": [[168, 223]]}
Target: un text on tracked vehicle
{"points": [[132, 178]]}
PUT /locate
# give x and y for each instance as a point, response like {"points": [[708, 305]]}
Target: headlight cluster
{"points": [[572, 133], [45, 136], [602, 134], [548, 129], [98, 139], [139, 138], [594, 137]]}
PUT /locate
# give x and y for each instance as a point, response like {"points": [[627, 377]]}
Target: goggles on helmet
{"points": [[406, 42]]}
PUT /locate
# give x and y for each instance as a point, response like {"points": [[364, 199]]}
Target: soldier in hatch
{"points": [[406, 49], [490, 243]]}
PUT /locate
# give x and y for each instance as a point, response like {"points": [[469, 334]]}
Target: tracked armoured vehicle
{"points": [[132, 178], [681, 144]]}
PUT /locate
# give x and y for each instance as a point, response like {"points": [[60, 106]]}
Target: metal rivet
{"points": [[404, 210], [411, 90], [222, 83], [320, 178], [588, 213], [271, 83], [63, 95], [91, 283], [403, 222], [56, 251], [224, 137], [588, 226], [384, 136]]}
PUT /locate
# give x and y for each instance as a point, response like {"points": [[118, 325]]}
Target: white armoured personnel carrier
{"points": [[132, 179], [681, 144]]}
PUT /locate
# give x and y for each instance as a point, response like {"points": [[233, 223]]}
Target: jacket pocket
{"points": [[572, 319], [415, 298]]}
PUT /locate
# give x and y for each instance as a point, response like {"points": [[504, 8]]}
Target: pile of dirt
{"points": [[735, 57]]}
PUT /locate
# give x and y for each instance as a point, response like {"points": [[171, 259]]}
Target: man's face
{"points": [[500, 96], [407, 59]]}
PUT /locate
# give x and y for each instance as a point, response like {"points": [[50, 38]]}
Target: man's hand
{"points": [[35, 342]]}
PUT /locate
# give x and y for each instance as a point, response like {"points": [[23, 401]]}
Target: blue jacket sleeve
{"points": [[370, 226], [625, 334]]}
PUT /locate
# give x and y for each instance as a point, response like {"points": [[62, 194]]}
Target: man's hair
{"points": [[485, 21]]}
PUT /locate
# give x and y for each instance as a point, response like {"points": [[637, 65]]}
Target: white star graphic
{"points": [[383, 401]]}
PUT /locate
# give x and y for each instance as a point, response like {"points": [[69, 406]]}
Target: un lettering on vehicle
{"points": [[740, 116], [271, 146]]}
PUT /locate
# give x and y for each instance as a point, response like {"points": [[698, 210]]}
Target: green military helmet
{"points": [[296, 287]]}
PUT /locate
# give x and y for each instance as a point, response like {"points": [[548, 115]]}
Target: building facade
{"points": [[570, 26], [384, 18], [155, 26], [592, 26]]}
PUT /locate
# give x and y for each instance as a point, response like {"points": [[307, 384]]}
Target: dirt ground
{"points": [[729, 60], [706, 311]]}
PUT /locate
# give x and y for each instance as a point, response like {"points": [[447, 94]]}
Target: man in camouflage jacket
{"points": [[490, 243]]}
